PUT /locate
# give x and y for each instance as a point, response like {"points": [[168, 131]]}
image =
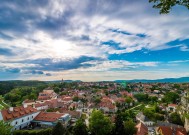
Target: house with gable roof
{"points": [[19, 117]]}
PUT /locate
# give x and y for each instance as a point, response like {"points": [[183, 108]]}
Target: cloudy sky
{"points": [[91, 40]]}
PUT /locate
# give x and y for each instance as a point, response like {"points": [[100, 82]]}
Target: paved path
{"points": [[134, 107]]}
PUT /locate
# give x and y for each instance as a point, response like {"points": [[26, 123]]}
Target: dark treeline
{"points": [[7, 86]]}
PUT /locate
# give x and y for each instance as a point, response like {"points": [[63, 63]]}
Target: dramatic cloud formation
{"points": [[91, 40]]}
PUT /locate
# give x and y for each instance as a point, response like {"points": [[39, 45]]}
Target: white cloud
{"points": [[184, 48], [57, 28]]}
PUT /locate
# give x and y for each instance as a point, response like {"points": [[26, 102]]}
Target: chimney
{"points": [[11, 109], [25, 105]]}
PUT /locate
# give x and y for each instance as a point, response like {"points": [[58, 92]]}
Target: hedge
{"points": [[47, 131]]}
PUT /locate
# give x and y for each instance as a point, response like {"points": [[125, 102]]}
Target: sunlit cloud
{"points": [[40, 39]]}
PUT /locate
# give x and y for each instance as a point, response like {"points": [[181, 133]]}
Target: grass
{"points": [[1, 107], [2, 104]]}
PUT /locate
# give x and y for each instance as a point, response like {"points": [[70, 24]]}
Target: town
{"points": [[127, 108]]}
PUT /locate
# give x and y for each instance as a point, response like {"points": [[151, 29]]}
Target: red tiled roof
{"points": [[17, 112], [48, 116], [43, 97], [120, 100], [40, 105], [172, 130], [172, 105], [28, 101], [67, 98], [108, 105], [141, 129]]}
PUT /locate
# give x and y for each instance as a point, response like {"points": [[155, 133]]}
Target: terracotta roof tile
{"points": [[48, 116], [17, 112], [166, 130], [141, 129]]}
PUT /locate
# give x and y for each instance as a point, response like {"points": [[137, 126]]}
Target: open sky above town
{"points": [[92, 40]]}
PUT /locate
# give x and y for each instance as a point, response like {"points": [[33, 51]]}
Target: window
{"points": [[28, 118], [16, 122], [22, 120]]}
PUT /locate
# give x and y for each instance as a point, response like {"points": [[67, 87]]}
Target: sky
{"points": [[92, 40]]}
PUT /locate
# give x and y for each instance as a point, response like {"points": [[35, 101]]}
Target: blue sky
{"points": [[92, 40]]}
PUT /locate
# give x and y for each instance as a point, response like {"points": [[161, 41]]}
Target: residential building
{"points": [[145, 120], [167, 130], [141, 129], [49, 119], [171, 107], [19, 117], [47, 94]]}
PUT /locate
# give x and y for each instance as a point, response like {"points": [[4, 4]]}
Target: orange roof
{"points": [[67, 98], [44, 97], [17, 112], [48, 116], [28, 101], [172, 105], [141, 129], [172, 130]]}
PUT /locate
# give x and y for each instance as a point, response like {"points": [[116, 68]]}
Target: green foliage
{"points": [[56, 89], [7, 86], [145, 98], [5, 128], [170, 97], [30, 90], [119, 125], [175, 118], [58, 129], [63, 93], [99, 124], [75, 98], [127, 115], [129, 127], [52, 109], [80, 128], [128, 99], [153, 113], [166, 5], [97, 100], [141, 97], [47, 131]]}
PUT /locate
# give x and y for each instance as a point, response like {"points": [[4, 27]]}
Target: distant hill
{"points": [[58, 81], [171, 80]]}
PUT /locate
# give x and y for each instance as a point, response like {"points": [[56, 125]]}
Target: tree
{"points": [[99, 124], [56, 89], [76, 98], [130, 128], [5, 128], [58, 129], [97, 100], [175, 119], [166, 5], [170, 97], [80, 128], [119, 126], [141, 97]]}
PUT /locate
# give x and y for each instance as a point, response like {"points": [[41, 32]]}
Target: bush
{"points": [[47, 131]]}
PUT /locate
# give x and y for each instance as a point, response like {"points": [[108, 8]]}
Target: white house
{"points": [[19, 117], [171, 107], [40, 107], [142, 118], [49, 119]]}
